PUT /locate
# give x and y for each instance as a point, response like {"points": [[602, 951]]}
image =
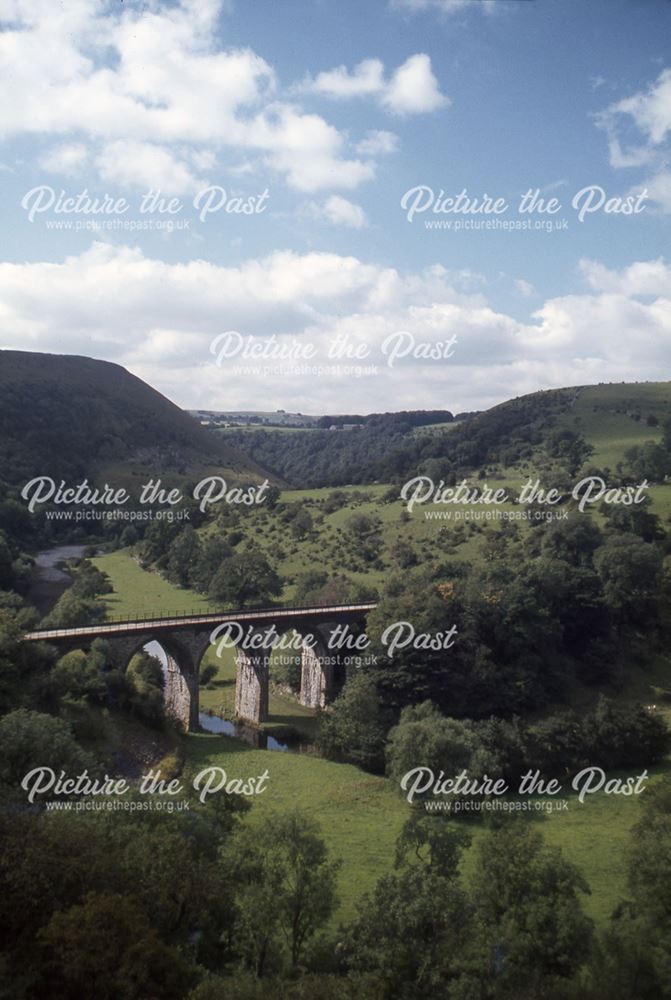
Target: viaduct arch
{"points": [[185, 638]]}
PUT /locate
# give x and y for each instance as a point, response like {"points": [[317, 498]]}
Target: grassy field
{"points": [[614, 417], [361, 816]]}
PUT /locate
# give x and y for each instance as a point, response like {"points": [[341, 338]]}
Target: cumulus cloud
{"points": [[339, 212], [143, 164], [412, 88], [365, 80], [158, 76], [159, 319], [644, 119], [525, 288], [67, 158], [377, 142]]}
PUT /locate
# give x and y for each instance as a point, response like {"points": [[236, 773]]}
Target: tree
{"points": [[285, 887], [245, 580], [72, 611], [213, 551], [32, 739], [355, 727], [147, 681], [631, 572], [78, 675], [106, 947], [570, 448], [528, 907], [183, 555], [425, 738], [574, 540], [634, 953], [415, 931], [301, 524]]}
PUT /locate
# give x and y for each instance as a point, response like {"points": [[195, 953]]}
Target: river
{"points": [[249, 734], [49, 579]]}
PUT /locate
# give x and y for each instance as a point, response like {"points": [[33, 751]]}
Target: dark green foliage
{"points": [[30, 739], [245, 580], [388, 447], [78, 605], [284, 890], [529, 911], [106, 946], [425, 738], [67, 416], [355, 727]]}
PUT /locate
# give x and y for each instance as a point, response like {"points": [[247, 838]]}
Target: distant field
{"points": [[263, 427], [605, 416], [137, 591]]}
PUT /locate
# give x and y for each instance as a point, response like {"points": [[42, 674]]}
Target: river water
{"points": [[248, 734], [49, 579]]}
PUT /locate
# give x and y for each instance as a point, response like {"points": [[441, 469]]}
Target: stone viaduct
{"points": [[185, 638]]}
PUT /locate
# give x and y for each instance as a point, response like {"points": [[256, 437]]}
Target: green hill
{"points": [[69, 417], [509, 436]]}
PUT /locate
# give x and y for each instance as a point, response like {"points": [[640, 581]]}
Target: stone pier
{"points": [[251, 685], [317, 671]]}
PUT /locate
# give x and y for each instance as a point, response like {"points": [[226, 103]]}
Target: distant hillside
{"points": [[549, 424], [69, 417]]}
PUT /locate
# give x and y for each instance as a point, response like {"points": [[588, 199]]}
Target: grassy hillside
{"points": [[614, 417], [361, 815], [64, 416]]}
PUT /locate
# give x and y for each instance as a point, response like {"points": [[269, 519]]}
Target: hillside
{"points": [[67, 417], [611, 418]]}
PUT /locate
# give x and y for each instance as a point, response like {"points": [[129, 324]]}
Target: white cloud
{"points": [[366, 79], [377, 142], [68, 158], [645, 120], [412, 89], [525, 288], [159, 319], [643, 278], [146, 165], [340, 212], [650, 109], [159, 77], [659, 190]]}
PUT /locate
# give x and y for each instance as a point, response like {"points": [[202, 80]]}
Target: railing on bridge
{"points": [[197, 617]]}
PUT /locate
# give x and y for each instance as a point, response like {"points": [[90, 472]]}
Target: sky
{"points": [[339, 207]]}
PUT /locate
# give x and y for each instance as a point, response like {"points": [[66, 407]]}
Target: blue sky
{"points": [[335, 111]]}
